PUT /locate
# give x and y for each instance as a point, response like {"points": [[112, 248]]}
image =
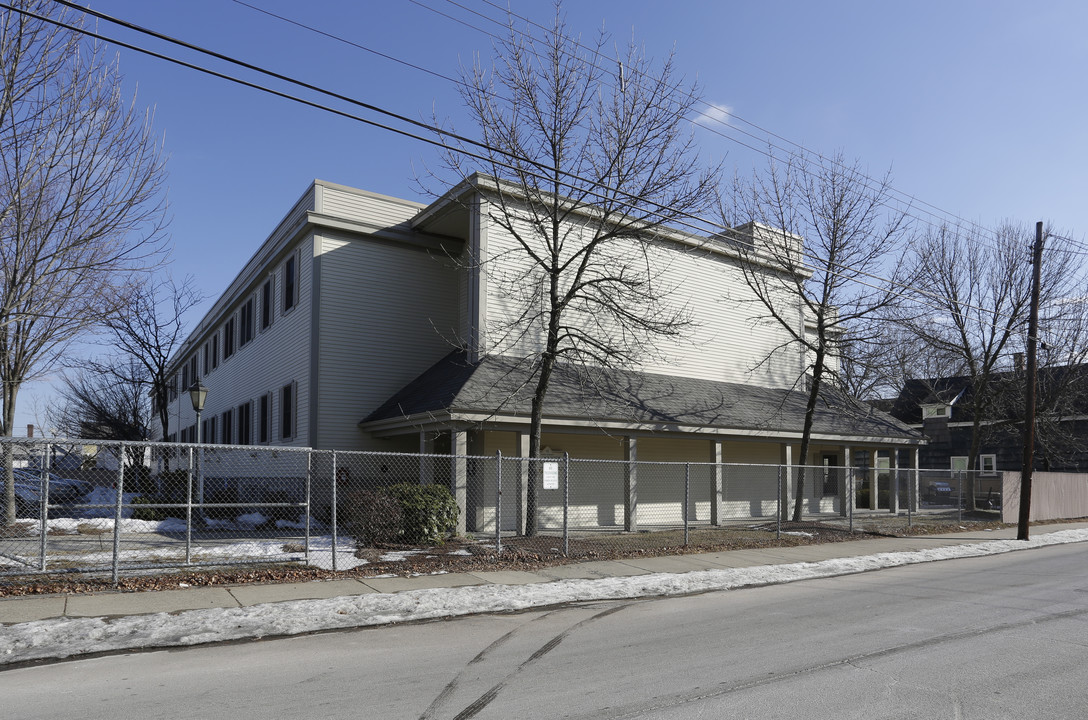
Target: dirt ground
{"points": [[519, 553]]}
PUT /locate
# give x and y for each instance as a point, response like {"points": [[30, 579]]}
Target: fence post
{"points": [[687, 498], [566, 503], [309, 506], [189, 510], [498, 501], [851, 493], [778, 508], [959, 501], [910, 500], [335, 527], [44, 507], [117, 519]]}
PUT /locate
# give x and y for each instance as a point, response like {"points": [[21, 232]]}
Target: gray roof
{"points": [[498, 385]]}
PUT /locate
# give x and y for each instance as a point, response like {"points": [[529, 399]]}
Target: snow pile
{"points": [[74, 636]]}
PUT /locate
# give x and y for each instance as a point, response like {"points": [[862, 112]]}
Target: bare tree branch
{"points": [[81, 203]]}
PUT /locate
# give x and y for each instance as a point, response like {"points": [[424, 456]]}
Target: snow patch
{"points": [[64, 637]]}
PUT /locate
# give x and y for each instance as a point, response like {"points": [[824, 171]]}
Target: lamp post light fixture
{"points": [[197, 395]]}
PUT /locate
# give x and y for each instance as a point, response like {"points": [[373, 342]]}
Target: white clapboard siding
{"points": [[275, 357], [388, 312], [729, 340], [362, 206]]}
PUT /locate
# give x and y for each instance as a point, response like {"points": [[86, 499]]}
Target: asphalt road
{"points": [[1004, 636]]}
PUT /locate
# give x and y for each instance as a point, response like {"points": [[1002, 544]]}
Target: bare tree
{"points": [[970, 318], [80, 194], [145, 332], [589, 159], [99, 406], [815, 236]]}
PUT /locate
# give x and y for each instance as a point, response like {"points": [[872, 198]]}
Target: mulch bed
{"points": [[465, 555]]}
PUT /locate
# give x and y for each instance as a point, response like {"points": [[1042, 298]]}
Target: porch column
{"points": [[426, 463], [787, 481], [874, 478], [523, 481], [459, 476], [893, 482], [846, 483], [914, 479], [717, 491], [630, 484]]}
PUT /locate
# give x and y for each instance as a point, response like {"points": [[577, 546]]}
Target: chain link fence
{"points": [[115, 507]]}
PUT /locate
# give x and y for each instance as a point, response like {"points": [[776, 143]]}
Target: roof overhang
{"points": [[448, 420]]}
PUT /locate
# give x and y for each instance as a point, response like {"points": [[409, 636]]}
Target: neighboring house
{"points": [[360, 324], [941, 408]]}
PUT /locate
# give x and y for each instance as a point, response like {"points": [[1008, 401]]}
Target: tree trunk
{"points": [[806, 433], [8, 469], [535, 427]]}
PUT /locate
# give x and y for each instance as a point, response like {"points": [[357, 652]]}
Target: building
{"points": [[365, 322], [942, 409]]}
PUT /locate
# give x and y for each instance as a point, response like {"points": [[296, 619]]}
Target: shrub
{"points": [[147, 513], [428, 512], [399, 514], [370, 517]]}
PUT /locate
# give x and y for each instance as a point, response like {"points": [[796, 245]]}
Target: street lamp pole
{"points": [[197, 395]]}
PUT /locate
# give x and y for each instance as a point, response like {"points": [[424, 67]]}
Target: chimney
{"points": [[1018, 362], [30, 431]]}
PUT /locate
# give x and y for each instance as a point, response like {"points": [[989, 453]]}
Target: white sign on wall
{"points": [[551, 475]]}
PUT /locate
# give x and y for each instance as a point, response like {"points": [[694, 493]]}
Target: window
{"points": [[266, 304], [193, 374], [228, 338], [186, 381], [287, 412], [207, 358], [987, 464], [245, 323], [831, 475], [228, 427], [264, 420], [209, 430], [215, 351], [245, 424], [290, 279], [172, 387]]}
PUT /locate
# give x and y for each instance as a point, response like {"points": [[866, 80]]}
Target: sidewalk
{"points": [[368, 601]]}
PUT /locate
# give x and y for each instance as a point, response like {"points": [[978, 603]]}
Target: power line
{"points": [[717, 226], [910, 200]]}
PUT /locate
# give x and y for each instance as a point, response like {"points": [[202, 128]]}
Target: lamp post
{"points": [[197, 395]]}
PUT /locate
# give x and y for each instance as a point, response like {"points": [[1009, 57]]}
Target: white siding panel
{"points": [[371, 208], [276, 357], [388, 312], [729, 340]]}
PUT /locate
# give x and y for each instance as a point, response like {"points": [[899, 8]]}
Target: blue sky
{"points": [[976, 107]]}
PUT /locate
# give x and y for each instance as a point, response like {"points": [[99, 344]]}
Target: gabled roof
{"points": [[498, 387], [1065, 383]]}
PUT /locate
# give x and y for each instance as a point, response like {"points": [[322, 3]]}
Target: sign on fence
{"points": [[551, 475]]}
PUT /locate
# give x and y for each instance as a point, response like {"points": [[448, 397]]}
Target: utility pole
{"points": [[1029, 394]]}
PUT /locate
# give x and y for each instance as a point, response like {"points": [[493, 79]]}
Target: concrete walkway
{"points": [[120, 604]]}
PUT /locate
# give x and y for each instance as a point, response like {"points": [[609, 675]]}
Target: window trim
{"points": [[288, 411], [264, 419], [228, 337], [268, 302], [290, 283], [982, 464], [246, 323], [244, 423]]}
